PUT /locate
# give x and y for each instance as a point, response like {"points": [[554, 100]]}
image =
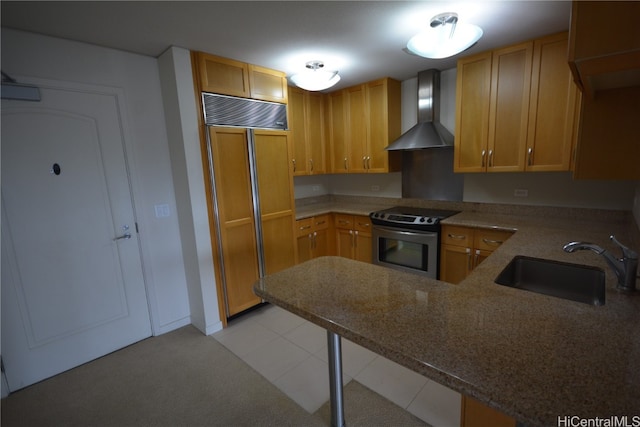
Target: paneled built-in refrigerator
{"points": [[252, 194]]}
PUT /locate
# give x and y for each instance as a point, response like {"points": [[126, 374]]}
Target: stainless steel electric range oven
{"points": [[408, 239]]}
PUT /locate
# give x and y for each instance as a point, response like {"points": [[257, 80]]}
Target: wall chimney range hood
{"points": [[429, 132]]}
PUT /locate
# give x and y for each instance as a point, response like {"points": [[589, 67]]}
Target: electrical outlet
{"points": [[520, 192], [315, 188], [375, 188]]}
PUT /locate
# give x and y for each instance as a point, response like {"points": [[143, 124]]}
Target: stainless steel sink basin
{"points": [[574, 282]]}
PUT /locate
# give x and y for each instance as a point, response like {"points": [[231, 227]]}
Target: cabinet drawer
{"points": [[490, 240], [320, 222], [362, 223], [344, 221], [304, 226], [457, 236]]}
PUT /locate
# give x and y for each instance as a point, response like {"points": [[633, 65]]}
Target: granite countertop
{"points": [[531, 356], [345, 208]]}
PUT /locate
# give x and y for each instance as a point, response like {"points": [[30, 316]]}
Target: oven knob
{"points": [[430, 220], [423, 219]]}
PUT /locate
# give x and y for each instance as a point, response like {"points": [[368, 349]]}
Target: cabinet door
{"points": [[222, 75], [612, 117], [344, 242], [552, 106], [383, 125], [362, 238], [305, 244], [275, 187], [297, 131], [337, 137], [267, 84], [235, 213], [473, 85], [322, 243], [475, 414], [356, 129], [315, 137], [509, 107], [455, 263]]}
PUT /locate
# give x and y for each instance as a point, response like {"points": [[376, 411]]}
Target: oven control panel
{"points": [[404, 219]]}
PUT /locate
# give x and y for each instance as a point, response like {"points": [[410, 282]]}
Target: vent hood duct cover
{"points": [[429, 132]]}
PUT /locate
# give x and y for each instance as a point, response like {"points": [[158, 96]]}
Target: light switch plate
{"points": [[162, 211]]}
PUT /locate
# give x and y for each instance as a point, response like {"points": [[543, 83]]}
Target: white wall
{"points": [[188, 178], [31, 55], [548, 189]]}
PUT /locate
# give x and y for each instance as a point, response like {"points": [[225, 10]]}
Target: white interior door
{"points": [[71, 290]]}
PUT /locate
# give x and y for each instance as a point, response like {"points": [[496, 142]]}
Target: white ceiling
{"points": [[363, 40]]}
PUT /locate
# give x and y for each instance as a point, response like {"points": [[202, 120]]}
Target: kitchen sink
{"points": [[574, 282]]}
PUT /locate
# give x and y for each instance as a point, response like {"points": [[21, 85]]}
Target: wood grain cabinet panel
{"points": [[515, 109], [353, 237], [476, 414], [363, 120], [463, 248], [307, 125], [230, 77], [314, 237]]}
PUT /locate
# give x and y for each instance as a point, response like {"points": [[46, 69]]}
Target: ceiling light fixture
{"points": [[314, 78], [445, 37]]}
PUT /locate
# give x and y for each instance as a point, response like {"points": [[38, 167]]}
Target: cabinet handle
{"points": [[363, 224], [530, 156], [304, 227], [311, 164], [311, 240], [345, 164], [492, 242], [484, 153], [364, 162], [490, 158], [294, 164], [468, 251], [456, 236], [475, 258], [368, 162], [320, 222], [355, 240], [342, 221], [314, 243]]}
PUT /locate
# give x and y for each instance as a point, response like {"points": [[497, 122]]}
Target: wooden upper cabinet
{"points": [[230, 77], [552, 107], [336, 127], [515, 109], [604, 45], [509, 108], [307, 125], [356, 131], [473, 88], [267, 85], [363, 120], [223, 75], [384, 118]]}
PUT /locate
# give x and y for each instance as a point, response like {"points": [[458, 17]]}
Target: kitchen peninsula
{"points": [[531, 356]]}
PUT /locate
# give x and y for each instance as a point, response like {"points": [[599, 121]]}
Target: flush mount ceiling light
{"points": [[445, 37], [315, 78]]}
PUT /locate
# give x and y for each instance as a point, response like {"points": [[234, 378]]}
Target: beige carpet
{"points": [[182, 378]]}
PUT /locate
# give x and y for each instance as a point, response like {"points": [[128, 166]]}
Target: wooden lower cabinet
{"points": [[353, 237], [475, 414], [315, 237], [464, 248]]}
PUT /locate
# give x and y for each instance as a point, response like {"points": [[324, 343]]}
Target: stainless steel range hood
{"points": [[429, 132]]}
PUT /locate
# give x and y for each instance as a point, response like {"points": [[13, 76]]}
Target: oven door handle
{"points": [[395, 232]]}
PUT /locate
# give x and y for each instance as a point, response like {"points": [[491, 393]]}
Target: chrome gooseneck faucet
{"points": [[626, 268]]}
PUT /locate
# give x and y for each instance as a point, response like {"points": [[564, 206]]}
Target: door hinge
{"points": [[137, 231]]}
